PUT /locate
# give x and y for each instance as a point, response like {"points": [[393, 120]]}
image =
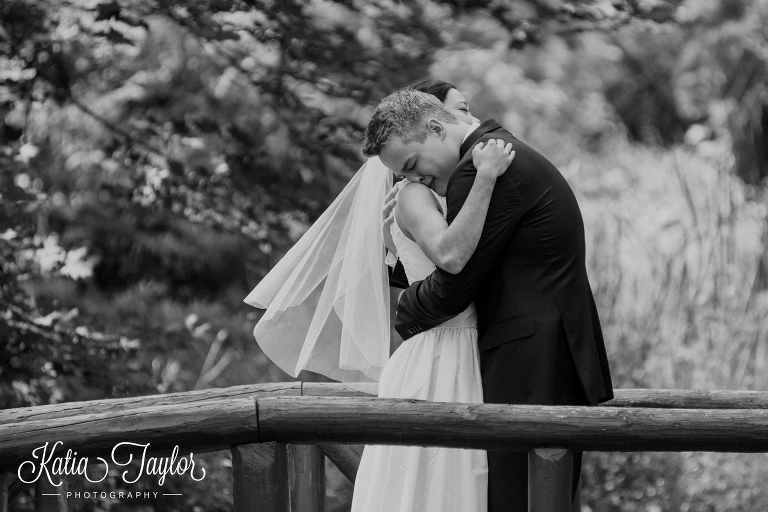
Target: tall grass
{"points": [[674, 241]]}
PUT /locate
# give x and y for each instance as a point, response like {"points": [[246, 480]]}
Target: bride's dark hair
{"points": [[437, 88]]}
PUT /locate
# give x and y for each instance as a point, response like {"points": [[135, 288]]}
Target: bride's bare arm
{"points": [[419, 216]]}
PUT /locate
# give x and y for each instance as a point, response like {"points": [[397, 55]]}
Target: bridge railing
{"points": [[279, 433]]}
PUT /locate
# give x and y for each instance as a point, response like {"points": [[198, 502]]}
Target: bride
{"points": [[327, 310]]}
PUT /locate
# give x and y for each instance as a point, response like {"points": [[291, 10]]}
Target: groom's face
{"points": [[430, 162]]}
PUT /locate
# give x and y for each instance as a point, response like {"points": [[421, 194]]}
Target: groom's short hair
{"points": [[401, 114]]}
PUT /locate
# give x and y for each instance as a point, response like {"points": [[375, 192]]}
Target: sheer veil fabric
{"points": [[327, 300]]}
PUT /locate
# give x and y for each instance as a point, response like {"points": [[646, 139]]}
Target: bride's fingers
{"points": [[391, 195], [498, 143], [389, 207]]}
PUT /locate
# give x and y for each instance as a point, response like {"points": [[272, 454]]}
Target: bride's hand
{"points": [[388, 213], [492, 158]]}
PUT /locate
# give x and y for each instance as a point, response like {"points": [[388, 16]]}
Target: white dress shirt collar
{"points": [[472, 128]]}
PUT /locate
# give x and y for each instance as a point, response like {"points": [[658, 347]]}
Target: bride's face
{"points": [[455, 103]]}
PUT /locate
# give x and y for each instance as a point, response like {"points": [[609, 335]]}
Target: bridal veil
{"points": [[327, 300]]}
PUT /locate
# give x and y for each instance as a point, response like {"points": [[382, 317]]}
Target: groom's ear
{"points": [[435, 127]]}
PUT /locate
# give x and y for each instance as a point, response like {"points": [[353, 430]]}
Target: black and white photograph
{"points": [[383, 256]]}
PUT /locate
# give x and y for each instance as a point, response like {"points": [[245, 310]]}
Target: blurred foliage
{"points": [[157, 158]]}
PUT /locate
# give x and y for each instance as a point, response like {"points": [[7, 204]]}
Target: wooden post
{"points": [[345, 457], [306, 470], [576, 507], [5, 491], [48, 497], [15, 486], [550, 477], [260, 478]]}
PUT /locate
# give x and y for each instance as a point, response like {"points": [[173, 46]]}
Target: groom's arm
{"points": [[442, 295], [397, 277]]}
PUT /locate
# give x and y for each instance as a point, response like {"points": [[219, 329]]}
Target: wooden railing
{"points": [[279, 433]]}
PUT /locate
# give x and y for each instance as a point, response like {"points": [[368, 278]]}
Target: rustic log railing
{"points": [[278, 434]]}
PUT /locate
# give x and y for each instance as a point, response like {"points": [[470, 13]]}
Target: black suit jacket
{"points": [[539, 332], [397, 276]]}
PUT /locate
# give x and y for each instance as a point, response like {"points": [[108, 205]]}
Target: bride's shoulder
{"points": [[415, 202], [416, 194]]}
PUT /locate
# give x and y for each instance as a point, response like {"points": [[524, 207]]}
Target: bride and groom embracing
{"points": [[498, 307]]}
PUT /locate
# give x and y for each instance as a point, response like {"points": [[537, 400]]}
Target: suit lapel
{"points": [[487, 126]]}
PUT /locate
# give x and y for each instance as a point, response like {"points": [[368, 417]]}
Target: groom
{"points": [[540, 339]]}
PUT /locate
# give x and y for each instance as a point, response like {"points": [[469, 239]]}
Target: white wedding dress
{"points": [[440, 365]]}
